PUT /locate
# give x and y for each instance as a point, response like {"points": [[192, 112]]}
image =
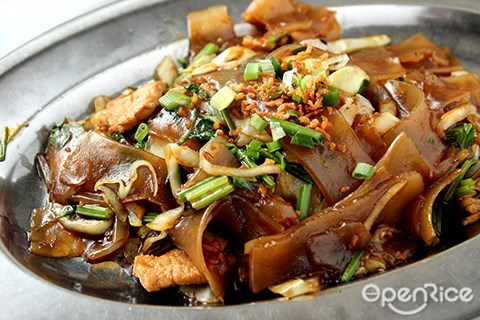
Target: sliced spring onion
{"points": [[437, 217], [94, 211], [213, 196], [118, 136], [252, 71], [331, 98], [67, 211], [363, 171], [277, 131], [466, 187], [252, 149], [3, 143], [273, 146], [206, 188], [298, 171], [299, 49], [223, 98], [464, 133], [293, 113], [228, 120], [274, 94], [209, 49], [257, 122], [274, 39], [251, 164], [193, 121], [276, 67], [182, 194], [148, 217], [267, 66], [301, 136], [173, 100], [352, 266], [304, 81], [142, 132], [303, 200], [297, 98], [453, 187], [351, 79]]}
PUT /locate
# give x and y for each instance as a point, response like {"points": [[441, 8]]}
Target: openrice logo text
{"points": [[406, 301]]}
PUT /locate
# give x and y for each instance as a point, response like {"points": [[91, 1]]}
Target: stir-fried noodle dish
{"points": [[270, 164]]}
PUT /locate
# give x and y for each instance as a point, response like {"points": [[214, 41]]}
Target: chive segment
{"points": [[251, 164], [252, 71], [142, 132], [213, 196], [303, 200], [331, 98], [277, 67], [174, 100], [273, 146], [363, 171], [94, 211], [463, 133], [223, 98], [209, 49], [3, 143], [228, 120], [277, 37], [193, 122], [454, 186], [257, 122], [301, 135], [466, 187], [149, 217], [182, 195], [267, 66], [352, 266]]}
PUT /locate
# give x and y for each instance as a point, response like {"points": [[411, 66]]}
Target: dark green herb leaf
{"points": [[204, 130], [195, 88]]}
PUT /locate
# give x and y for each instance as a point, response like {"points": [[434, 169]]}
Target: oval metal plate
{"points": [[116, 46]]}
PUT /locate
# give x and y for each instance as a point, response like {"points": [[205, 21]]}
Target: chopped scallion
{"points": [[331, 98], [252, 71], [466, 187], [94, 211], [299, 49], [212, 197], [464, 133], [274, 146], [252, 149], [193, 121], [148, 217], [267, 66], [363, 171], [251, 164], [352, 266], [182, 195], [301, 136], [453, 187], [276, 67], [303, 200], [304, 81], [142, 132], [257, 122], [3, 143], [223, 98], [228, 120], [67, 211], [274, 39], [173, 100], [297, 98], [209, 49], [206, 189]]}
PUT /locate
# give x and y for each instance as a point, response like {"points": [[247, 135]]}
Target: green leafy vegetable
{"points": [[62, 132]]}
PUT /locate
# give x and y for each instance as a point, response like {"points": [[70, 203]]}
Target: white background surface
{"points": [[22, 20]]}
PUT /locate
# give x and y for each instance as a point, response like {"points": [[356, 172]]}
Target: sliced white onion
{"points": [[86, 226], [152, 240], [384, 122], [336, 62], [124, 188], [453, 116], [353, 44], [216, 170], [296, 287], [317, 43], [166, 220], [184, 155], [173, 169]]}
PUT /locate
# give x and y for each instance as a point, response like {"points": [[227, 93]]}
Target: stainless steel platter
{"points": [[102, 52]]}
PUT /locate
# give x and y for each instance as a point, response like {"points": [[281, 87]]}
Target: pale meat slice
{"points": [[128, 110], [172, 268]]}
